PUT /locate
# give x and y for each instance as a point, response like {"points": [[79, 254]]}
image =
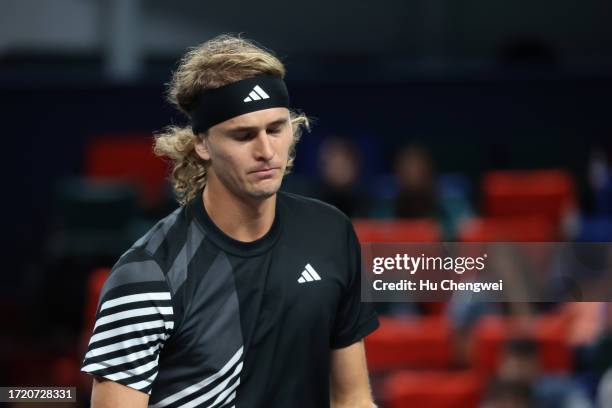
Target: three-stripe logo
{"points": [[256, 94], [309, 275]]}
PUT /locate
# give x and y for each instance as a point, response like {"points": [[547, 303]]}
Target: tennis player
{"points": [[245, 296]]}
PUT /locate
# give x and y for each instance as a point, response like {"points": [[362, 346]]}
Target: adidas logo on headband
{"points": [[256, 94]]}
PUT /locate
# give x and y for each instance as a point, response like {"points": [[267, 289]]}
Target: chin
{"points": [[264, 192], [259, 195]]}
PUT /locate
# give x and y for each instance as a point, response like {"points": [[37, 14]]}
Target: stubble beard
{"points": [[261, 193]]}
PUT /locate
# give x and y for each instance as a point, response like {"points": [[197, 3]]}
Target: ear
{"points": [[200, 143]]}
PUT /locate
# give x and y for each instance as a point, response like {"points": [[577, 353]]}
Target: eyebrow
{"points": [[243, 128]]}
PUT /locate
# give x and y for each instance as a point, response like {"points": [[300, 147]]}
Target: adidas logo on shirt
{"points": [[309, 275], [256, 94]]}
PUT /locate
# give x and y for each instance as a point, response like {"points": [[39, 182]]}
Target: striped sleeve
{"points": [[134, 319]]}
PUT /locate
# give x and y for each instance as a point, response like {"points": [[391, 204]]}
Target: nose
{"points": [[263, 148]]}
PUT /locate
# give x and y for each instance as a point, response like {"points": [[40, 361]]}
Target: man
{"points": [[244, 296]]}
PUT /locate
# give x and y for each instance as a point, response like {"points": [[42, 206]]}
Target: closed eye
{"points": [[248, 133], [278, 126], [243, 136], [275, 130]]}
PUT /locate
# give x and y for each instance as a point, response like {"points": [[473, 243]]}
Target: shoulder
{"points": [[142, 265], [315, 210], [316, 222], [152, 239], [136, 271], [137, 265]]}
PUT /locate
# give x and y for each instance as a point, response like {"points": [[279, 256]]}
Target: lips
{"points": [[265, 172]]}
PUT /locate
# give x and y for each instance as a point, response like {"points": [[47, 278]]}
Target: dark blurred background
{"points": [[434, 112]]}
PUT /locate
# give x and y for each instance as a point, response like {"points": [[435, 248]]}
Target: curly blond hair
{"points": [[220, 61]]}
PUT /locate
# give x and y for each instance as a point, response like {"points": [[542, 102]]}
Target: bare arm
{"points": [[109, 394], [350, 386]]}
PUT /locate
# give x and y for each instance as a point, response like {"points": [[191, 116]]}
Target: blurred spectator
{"points": [[600, 353], [604, 392], [520, 364], [586, 322], [520, 361], [416, 197], [339, 170], [507, 394]]}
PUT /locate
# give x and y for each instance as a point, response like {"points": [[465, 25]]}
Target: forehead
{"points": [[259, 118]]}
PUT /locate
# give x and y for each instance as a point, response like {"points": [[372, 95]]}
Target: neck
{"points": [[242, 219]]}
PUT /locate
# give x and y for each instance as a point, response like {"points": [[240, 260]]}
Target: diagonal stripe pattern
{"points": [[217, 390]]}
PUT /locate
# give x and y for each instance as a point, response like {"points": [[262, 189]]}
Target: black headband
{"points": [[249, 95]]}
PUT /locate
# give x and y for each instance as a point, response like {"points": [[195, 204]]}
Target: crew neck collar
{"points": [[227, 243]]}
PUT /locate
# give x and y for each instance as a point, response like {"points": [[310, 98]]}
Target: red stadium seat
{"points": [[418, 230], [550, 332], [508, 229], [546, 193], [432, 390], [127, 158], [421, 342]]}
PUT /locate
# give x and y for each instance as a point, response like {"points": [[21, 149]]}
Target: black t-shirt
{"points": [[198, 319]]}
